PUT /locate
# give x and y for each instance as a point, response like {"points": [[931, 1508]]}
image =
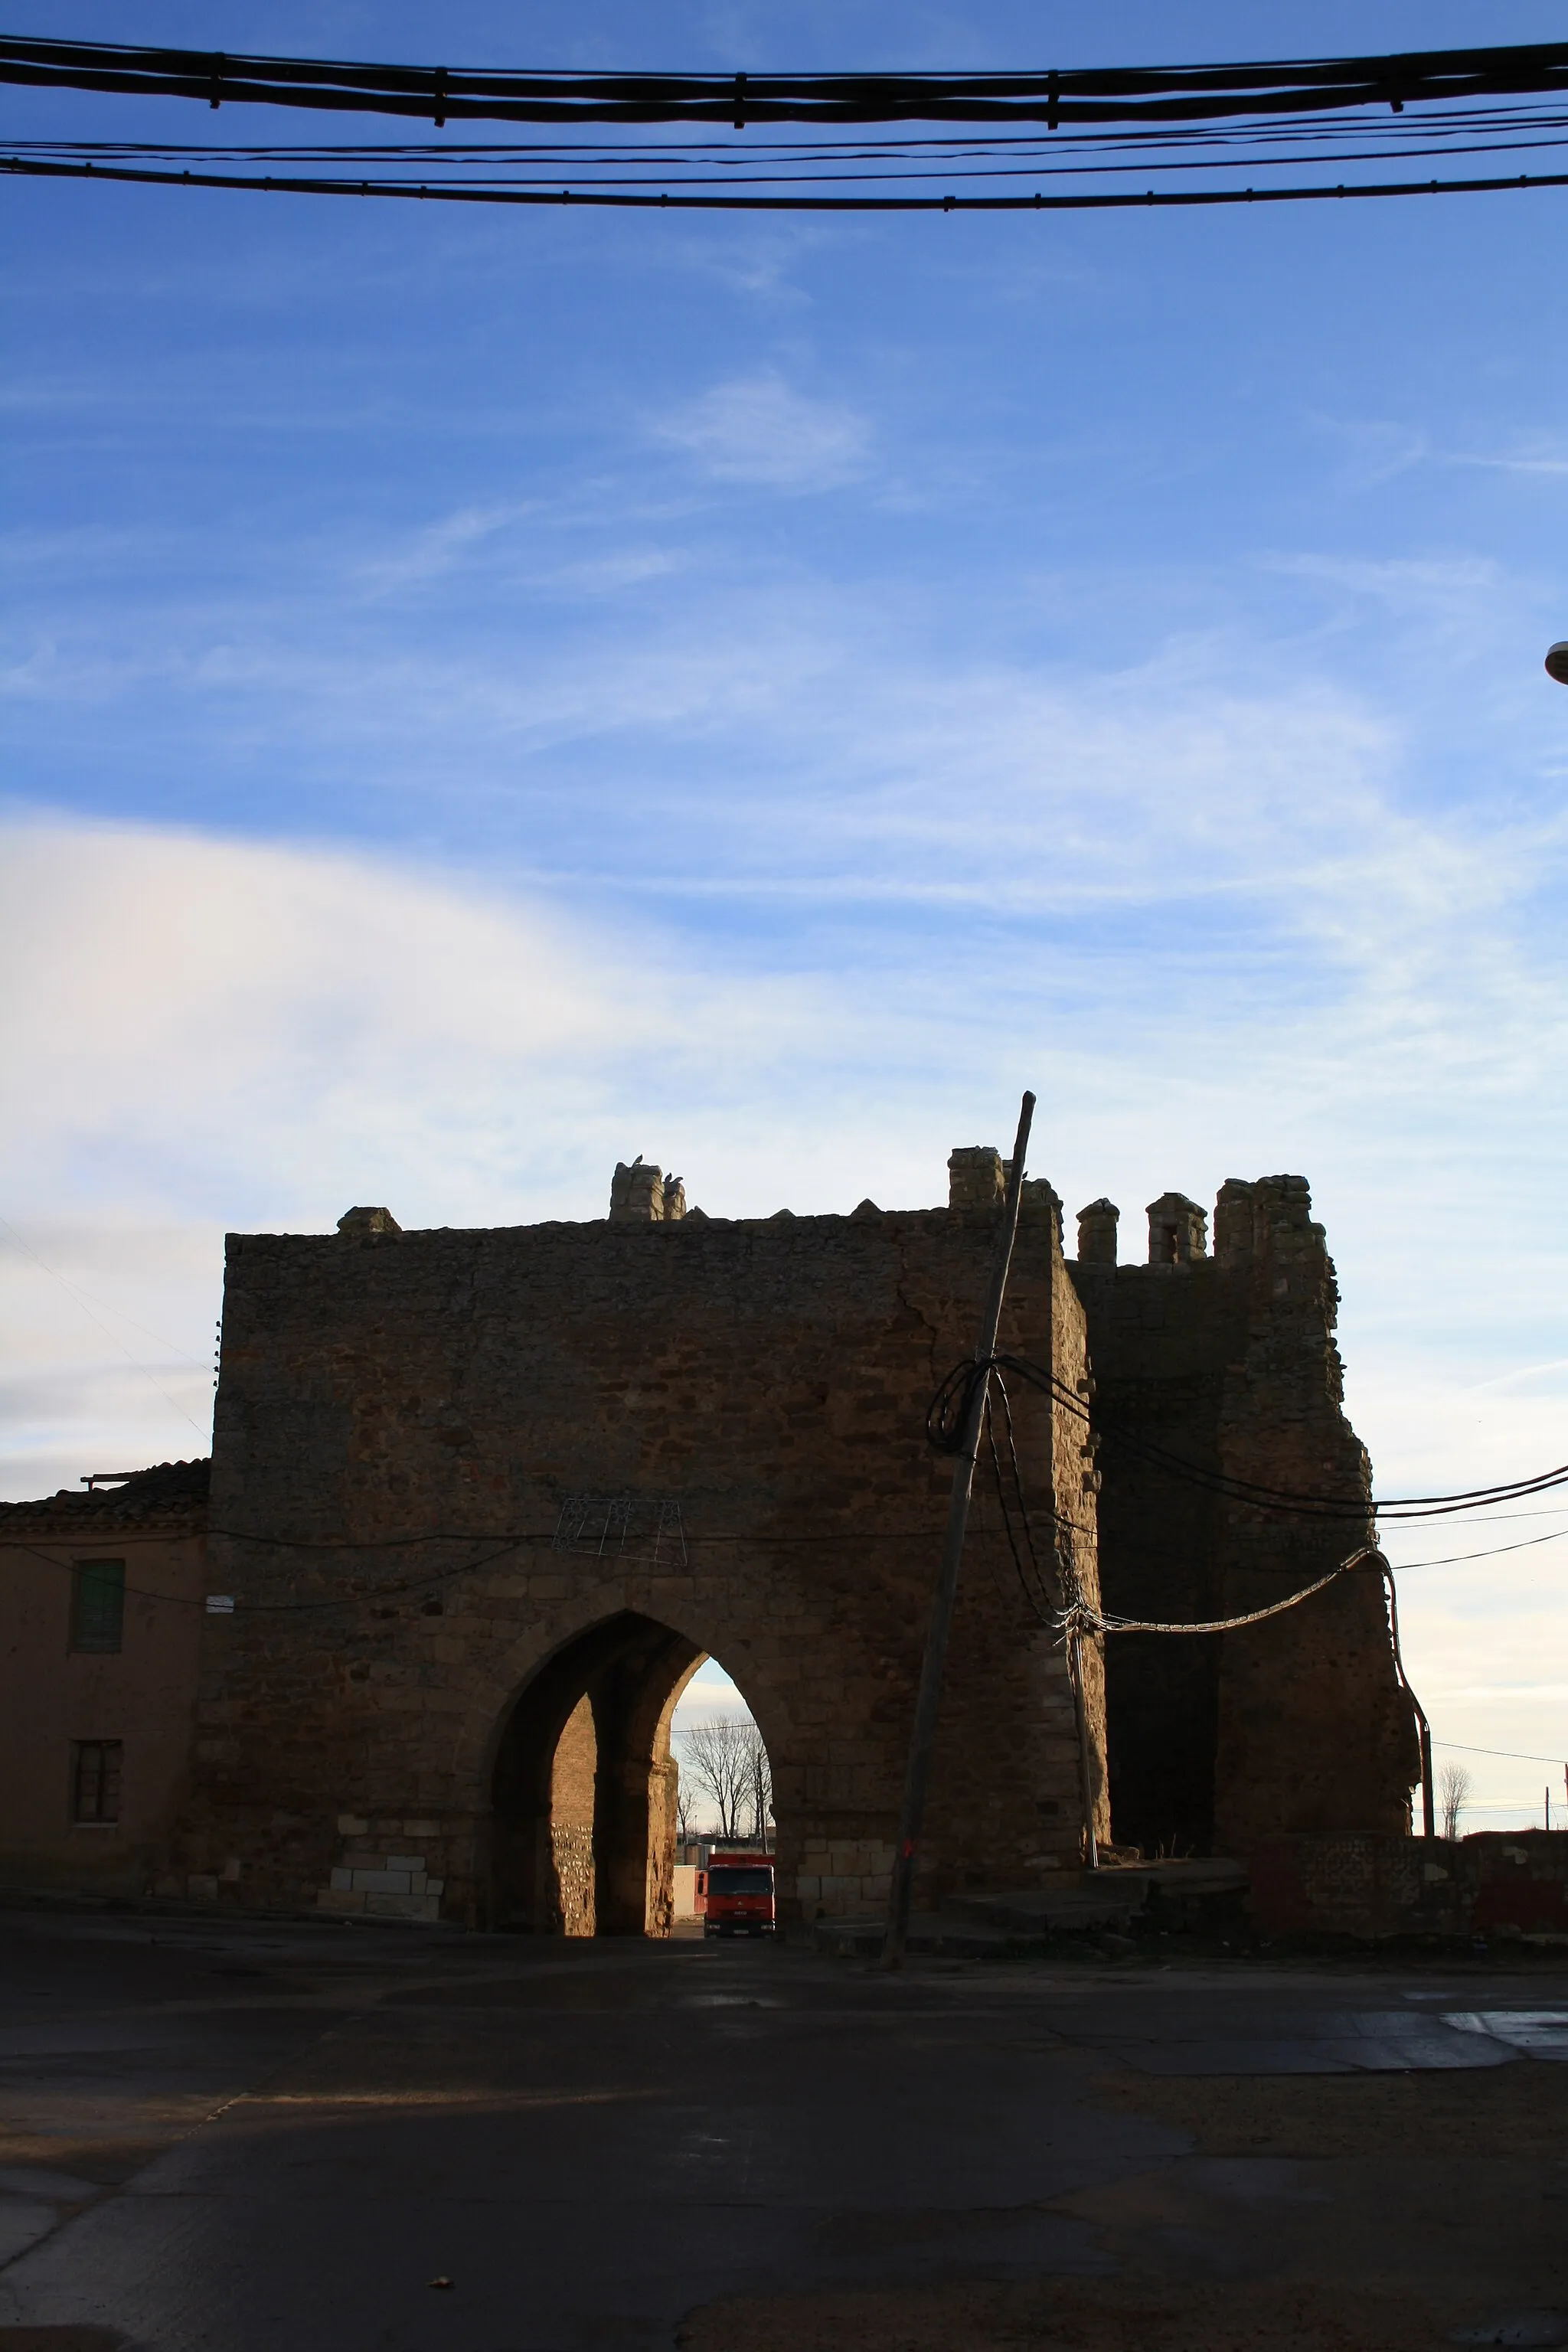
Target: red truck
{"points": [[740, 1893]]}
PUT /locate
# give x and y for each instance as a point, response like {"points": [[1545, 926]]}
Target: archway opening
{"points": [[586, 1793], [725, 1790]]}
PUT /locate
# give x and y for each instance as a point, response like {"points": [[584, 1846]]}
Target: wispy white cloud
{"points": [[1374, 450], [757, 429], [439, 547], [1542, 454], [1529, 1372], [762, 260]]}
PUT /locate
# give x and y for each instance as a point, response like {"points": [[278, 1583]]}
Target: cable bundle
{"points": [[1066, 1608], [1094, 127], [1157, 94]]}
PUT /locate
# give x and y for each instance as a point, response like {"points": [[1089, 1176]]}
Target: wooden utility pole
{"points": [[922, 1739]]}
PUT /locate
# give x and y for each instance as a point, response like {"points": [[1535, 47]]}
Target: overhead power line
{"points": [[597, 199], [1518, 1755], [1328, 139], [1071, 141], [135, 1362], [951, 1397], [1118, 94]]}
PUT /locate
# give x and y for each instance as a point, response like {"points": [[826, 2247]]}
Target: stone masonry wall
{"points": [[1504, 1885], [572, 1822], [403, 1421], [1228, 1363], [1315, 1733]]}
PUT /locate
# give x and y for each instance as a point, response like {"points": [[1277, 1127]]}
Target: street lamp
{"points": [[1557, 662]]}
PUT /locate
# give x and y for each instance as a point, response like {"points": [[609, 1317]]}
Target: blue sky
{"points": [[489, 694]]}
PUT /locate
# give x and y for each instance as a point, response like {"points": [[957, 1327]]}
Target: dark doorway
{"points": [[1160, 1559], [1162, 1711]]}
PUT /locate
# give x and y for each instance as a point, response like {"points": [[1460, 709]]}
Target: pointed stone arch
{"points": [[579, 1781]]}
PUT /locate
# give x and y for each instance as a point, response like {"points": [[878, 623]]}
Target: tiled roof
{"points": [[168, 1494]]}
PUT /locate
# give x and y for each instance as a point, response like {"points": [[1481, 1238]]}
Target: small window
{"points": [[95, 1779], [98, 1605]]}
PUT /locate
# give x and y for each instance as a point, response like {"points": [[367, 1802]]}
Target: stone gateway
{"points": [[485, 1500]]}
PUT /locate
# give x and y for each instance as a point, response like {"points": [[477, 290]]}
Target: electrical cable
{"points": [[1101, 95], [1519, 1805], [134, 1361], [276, 1608], [1041, 125], [945, 1415], [1514, 1755], [951, 1398], [425, 1581], [595, 198], [1495, 1551], [1029, 1578], [119, 1535], [1463, 131], [1083, 1616], [84, 1298]]}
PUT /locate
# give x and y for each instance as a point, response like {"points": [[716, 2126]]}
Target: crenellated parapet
{"points": [[1097, 1227], [1178, 1231]]}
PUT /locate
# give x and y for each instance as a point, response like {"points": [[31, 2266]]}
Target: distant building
{"points": [[689, 1898], [102, 1597]]}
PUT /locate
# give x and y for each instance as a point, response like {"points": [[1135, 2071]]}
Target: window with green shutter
{"points": [[98, 1605]]}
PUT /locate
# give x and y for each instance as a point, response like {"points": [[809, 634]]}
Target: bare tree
{"points": [[720, 1760], [1454, 1785]]}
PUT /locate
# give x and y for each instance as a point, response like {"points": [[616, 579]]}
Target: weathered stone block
{"points": [[400, 1907]]}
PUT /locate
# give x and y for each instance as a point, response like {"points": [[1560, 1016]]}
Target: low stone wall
{"points": [[1498, 1885], [844, 1874], [374, 1882]]}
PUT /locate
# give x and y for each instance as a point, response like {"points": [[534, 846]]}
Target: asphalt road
{"points": [[249, 2136]]}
